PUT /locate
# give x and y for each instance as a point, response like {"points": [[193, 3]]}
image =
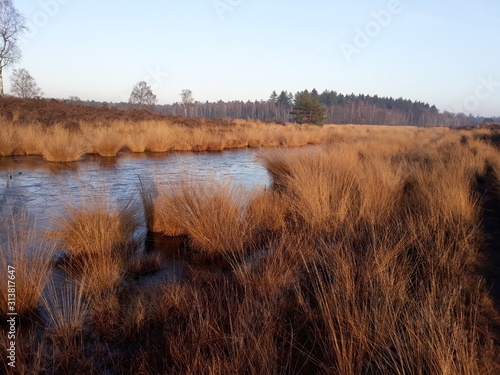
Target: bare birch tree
{"points": [[24, 85], [142, 95], [12, 23], [187, 101]]}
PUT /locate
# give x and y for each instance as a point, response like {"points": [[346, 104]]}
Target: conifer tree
{"points": [[308, 110]]}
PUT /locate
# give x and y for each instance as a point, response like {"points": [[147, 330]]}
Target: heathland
{"points": [[375, 252], [62, 132]]}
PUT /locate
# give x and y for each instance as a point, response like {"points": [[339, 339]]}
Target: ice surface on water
{"points": [[42, 188]]}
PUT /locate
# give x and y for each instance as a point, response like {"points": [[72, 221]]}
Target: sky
{"points": [[442, 52]]}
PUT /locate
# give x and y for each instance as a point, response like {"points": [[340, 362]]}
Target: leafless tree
{"points": [[24, 85], [74, 98], [187, 101], [142, 95], [12, 23]]}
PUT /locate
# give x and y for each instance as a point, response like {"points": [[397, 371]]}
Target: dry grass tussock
{"points": [[209, 213], [31, 142], [103, 141], [63, 145], [31, 259], [361, 258], [66, 310], [9, 138], [98, 236]]}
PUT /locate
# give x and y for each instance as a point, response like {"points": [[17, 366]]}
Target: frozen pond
{"points": [[39, 187]]}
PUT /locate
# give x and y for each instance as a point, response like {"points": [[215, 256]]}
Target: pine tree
{"points": [[283, 99], [308, 110], [314, 94], [274, 97]]}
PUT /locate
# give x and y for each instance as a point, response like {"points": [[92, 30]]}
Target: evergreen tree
{"points": [[274, 97], [314, 94], [308, 110], [283, 99]]}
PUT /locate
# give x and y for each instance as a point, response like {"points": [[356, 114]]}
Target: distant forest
{"points": [[339, 109]]}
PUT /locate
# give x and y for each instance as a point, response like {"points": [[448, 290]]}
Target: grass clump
{"points": [[31, 258], [98, 236], [9, 139], [63, 145], [105, 142], [210, 214]]}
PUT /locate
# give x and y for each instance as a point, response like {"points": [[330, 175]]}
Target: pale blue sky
{"points": [[444, 52]]}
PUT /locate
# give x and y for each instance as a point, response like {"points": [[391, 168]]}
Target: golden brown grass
{"points": [[66, 310], [210, 214], [9, 139], [63, 145], [266, 211], [206, 139], [160, 138], [31, 258], [136, 142], [105, 142], [98, 236], [32, 140], [362, 258]]}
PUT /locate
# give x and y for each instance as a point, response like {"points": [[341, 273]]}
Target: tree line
{"points": [[337, 109], [303, 106]]}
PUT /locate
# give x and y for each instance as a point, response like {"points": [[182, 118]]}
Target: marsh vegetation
{"points": [[365, 255]]}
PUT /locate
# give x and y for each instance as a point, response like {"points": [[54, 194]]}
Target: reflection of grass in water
{"points": [[360, 259]]}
